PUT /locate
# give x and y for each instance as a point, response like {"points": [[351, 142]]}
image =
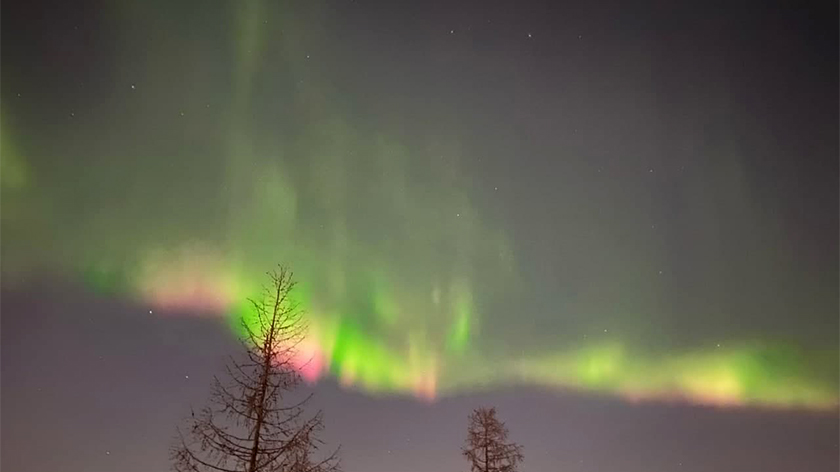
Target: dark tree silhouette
{"points": [[487, 447], [249, 426]]}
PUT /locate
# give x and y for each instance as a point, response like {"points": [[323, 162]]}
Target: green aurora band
{"points": [[385, 240]]}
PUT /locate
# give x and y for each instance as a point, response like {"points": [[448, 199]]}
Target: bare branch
{"points": [[486, 446], [249, 427]]}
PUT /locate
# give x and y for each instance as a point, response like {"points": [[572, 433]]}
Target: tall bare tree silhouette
{"points": [[249, 425], [487, 447]]}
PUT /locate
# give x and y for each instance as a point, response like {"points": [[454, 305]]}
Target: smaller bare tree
{"points": [[250, 425], [487, 447]]}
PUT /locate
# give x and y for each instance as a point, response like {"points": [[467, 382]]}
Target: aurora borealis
{"points": [[410, 277], [624, 206]]}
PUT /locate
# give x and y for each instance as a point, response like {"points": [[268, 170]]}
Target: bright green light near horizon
{"points": [[748, 375], [756, 374]]}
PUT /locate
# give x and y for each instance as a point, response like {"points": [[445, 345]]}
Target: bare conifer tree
{"points": [[249, 426], [487, 447]]}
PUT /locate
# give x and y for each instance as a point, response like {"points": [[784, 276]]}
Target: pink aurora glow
{"points": [[192, 279], [309, 360]]}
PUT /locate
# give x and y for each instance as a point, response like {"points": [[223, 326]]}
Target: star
{"points": [[107, 453], [495, 188], [452, 31], [182, 113], [660, 272], [133, 87], [187, 377], [150, 312], [307, 56], [529, 35]]}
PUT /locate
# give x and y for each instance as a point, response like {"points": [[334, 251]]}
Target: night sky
{"points": [[616, 222]]}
